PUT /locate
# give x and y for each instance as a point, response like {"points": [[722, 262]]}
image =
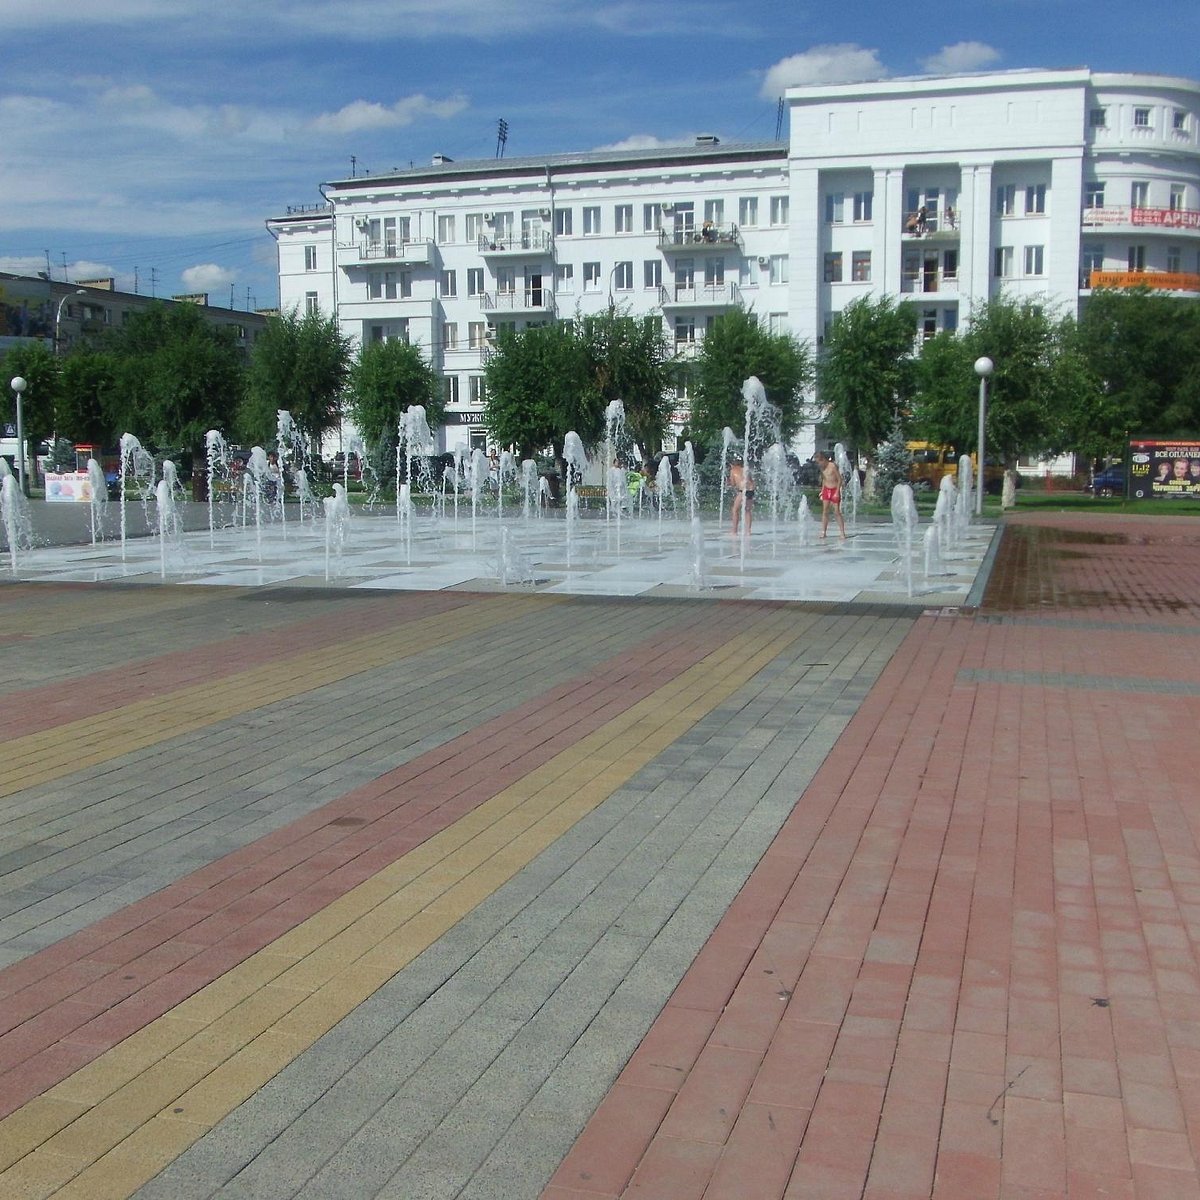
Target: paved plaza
{"points": [[326, 885]]}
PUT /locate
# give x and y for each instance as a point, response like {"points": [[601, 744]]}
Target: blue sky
{"points": [[159, 135]]}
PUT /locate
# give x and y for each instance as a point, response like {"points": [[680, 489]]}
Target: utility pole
{"points": [[501, 137]]}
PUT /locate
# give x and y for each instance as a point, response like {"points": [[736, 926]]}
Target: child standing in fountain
{"points": [[831, 493], [742, 484]]}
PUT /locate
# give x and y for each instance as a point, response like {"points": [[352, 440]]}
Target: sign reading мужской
{"points": [[1158, 467]]}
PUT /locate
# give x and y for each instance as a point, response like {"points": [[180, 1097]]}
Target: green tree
{"points": [[301, 364], [36, 364], [177, 376], [893, 460], [734, 348], [865, 369], [87, 397], [385, 380], [537, 389], [1040, 378], [1143, 349], [629, 359]]}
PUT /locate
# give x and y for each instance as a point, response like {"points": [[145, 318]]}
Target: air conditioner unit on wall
{"points": [[362, 223], [667, 207], [763, 260], [543, 212], [489, 217]]}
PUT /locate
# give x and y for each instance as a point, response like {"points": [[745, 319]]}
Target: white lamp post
{"points": [[58, 316], [983, 368], [18, 386]]}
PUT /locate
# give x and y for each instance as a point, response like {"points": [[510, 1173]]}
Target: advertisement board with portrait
{"points": [[1161, 468]]}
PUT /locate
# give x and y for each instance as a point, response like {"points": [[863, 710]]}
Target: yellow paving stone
{"points": [[31, 1124], [131, 1163], [434, 887], [37, 1179]]}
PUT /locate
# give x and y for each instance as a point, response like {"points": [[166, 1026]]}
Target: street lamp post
{"points": [[983, 368], [58, 317], [18, 386]]}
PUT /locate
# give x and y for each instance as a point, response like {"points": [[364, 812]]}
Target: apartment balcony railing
{"points": [[418, 252], [1159, 281], [929, 281], [527, 300], [709, 237], [933, 226], [705, 295], [1173, 220], [514, 244]]}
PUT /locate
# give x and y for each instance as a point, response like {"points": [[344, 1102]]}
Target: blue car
{"points": [[1109, 482]]}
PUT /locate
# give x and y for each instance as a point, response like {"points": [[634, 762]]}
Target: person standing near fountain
{"points": [[831, 493], [741, 482]]}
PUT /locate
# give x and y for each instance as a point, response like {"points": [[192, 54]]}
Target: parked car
{"points": [[1109, 482]]}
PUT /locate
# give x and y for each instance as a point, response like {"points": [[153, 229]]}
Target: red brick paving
{"points": [[967, 967]]}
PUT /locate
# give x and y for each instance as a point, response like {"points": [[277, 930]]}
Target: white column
{"points": [[975, 212]]}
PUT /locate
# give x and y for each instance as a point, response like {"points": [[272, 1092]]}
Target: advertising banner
{"points": [[1159, 468], [71, 487]]}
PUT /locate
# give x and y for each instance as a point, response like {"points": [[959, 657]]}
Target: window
{"points": [[562, 222], [748, 211], [714, 272], [1177, 197], [779, 210], [833, 267], [1137, 258], [476, 334], [1091, 258], [1098, 118], [950, 264], [860, 266], [685, 275], [474, 226], [405, 284], [652, 273], [623, 218], [564, 277], [623, 277], [779, 268], [777, 324], [310, 258], [747, 276], [591, 275], [446, 232], [1139, 194], [1141, 118], [1002, 265], [1006, 199], [374, 285], [449, 283], [474, 281], [1093, 195], [834, 208], [450, 389], [1174, 260], [685, 330], [651, 218], [591, 221], [1179, 120], [1035, 260], [449, 335], [864, 202], [506, 281], [310, 303], [714, 211], [475, 392], [1035, 199], [502, 227]]}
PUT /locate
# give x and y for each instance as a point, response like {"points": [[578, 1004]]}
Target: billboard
{"points": [[1161, 468]]}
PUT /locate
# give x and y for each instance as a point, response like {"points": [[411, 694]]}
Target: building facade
{"points": [[944, 191]]}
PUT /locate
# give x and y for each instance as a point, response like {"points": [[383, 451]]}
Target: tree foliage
{"points": [[1039, 379], [301, 364], [537, 389], [386, 379], [893, 460], [36, 364], [177, 376], [88, 397], [734, 348], [629, 359], [865, 369]]}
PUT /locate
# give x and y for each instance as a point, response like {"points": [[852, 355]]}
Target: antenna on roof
{"points": [[501, 137], [779, 119]]}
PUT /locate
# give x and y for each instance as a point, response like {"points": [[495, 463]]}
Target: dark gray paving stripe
{"points": [[1090, 683]]}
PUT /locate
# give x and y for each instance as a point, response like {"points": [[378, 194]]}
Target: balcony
{"points": [[928, 282], [707, 295], [506, 244], [708, 238], [1159, 281], [938, 228], [528, 300], [417, 252], [1170, 220]]}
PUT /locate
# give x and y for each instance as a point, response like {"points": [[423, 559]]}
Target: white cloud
{"points": [[962, 56], [644, 141], [841, 63], [367, 114], [207, 277]]}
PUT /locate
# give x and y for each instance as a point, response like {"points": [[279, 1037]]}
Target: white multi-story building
{"points": [[945, 191]]}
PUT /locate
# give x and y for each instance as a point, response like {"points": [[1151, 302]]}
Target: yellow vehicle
{"points": [[931, 463]]}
